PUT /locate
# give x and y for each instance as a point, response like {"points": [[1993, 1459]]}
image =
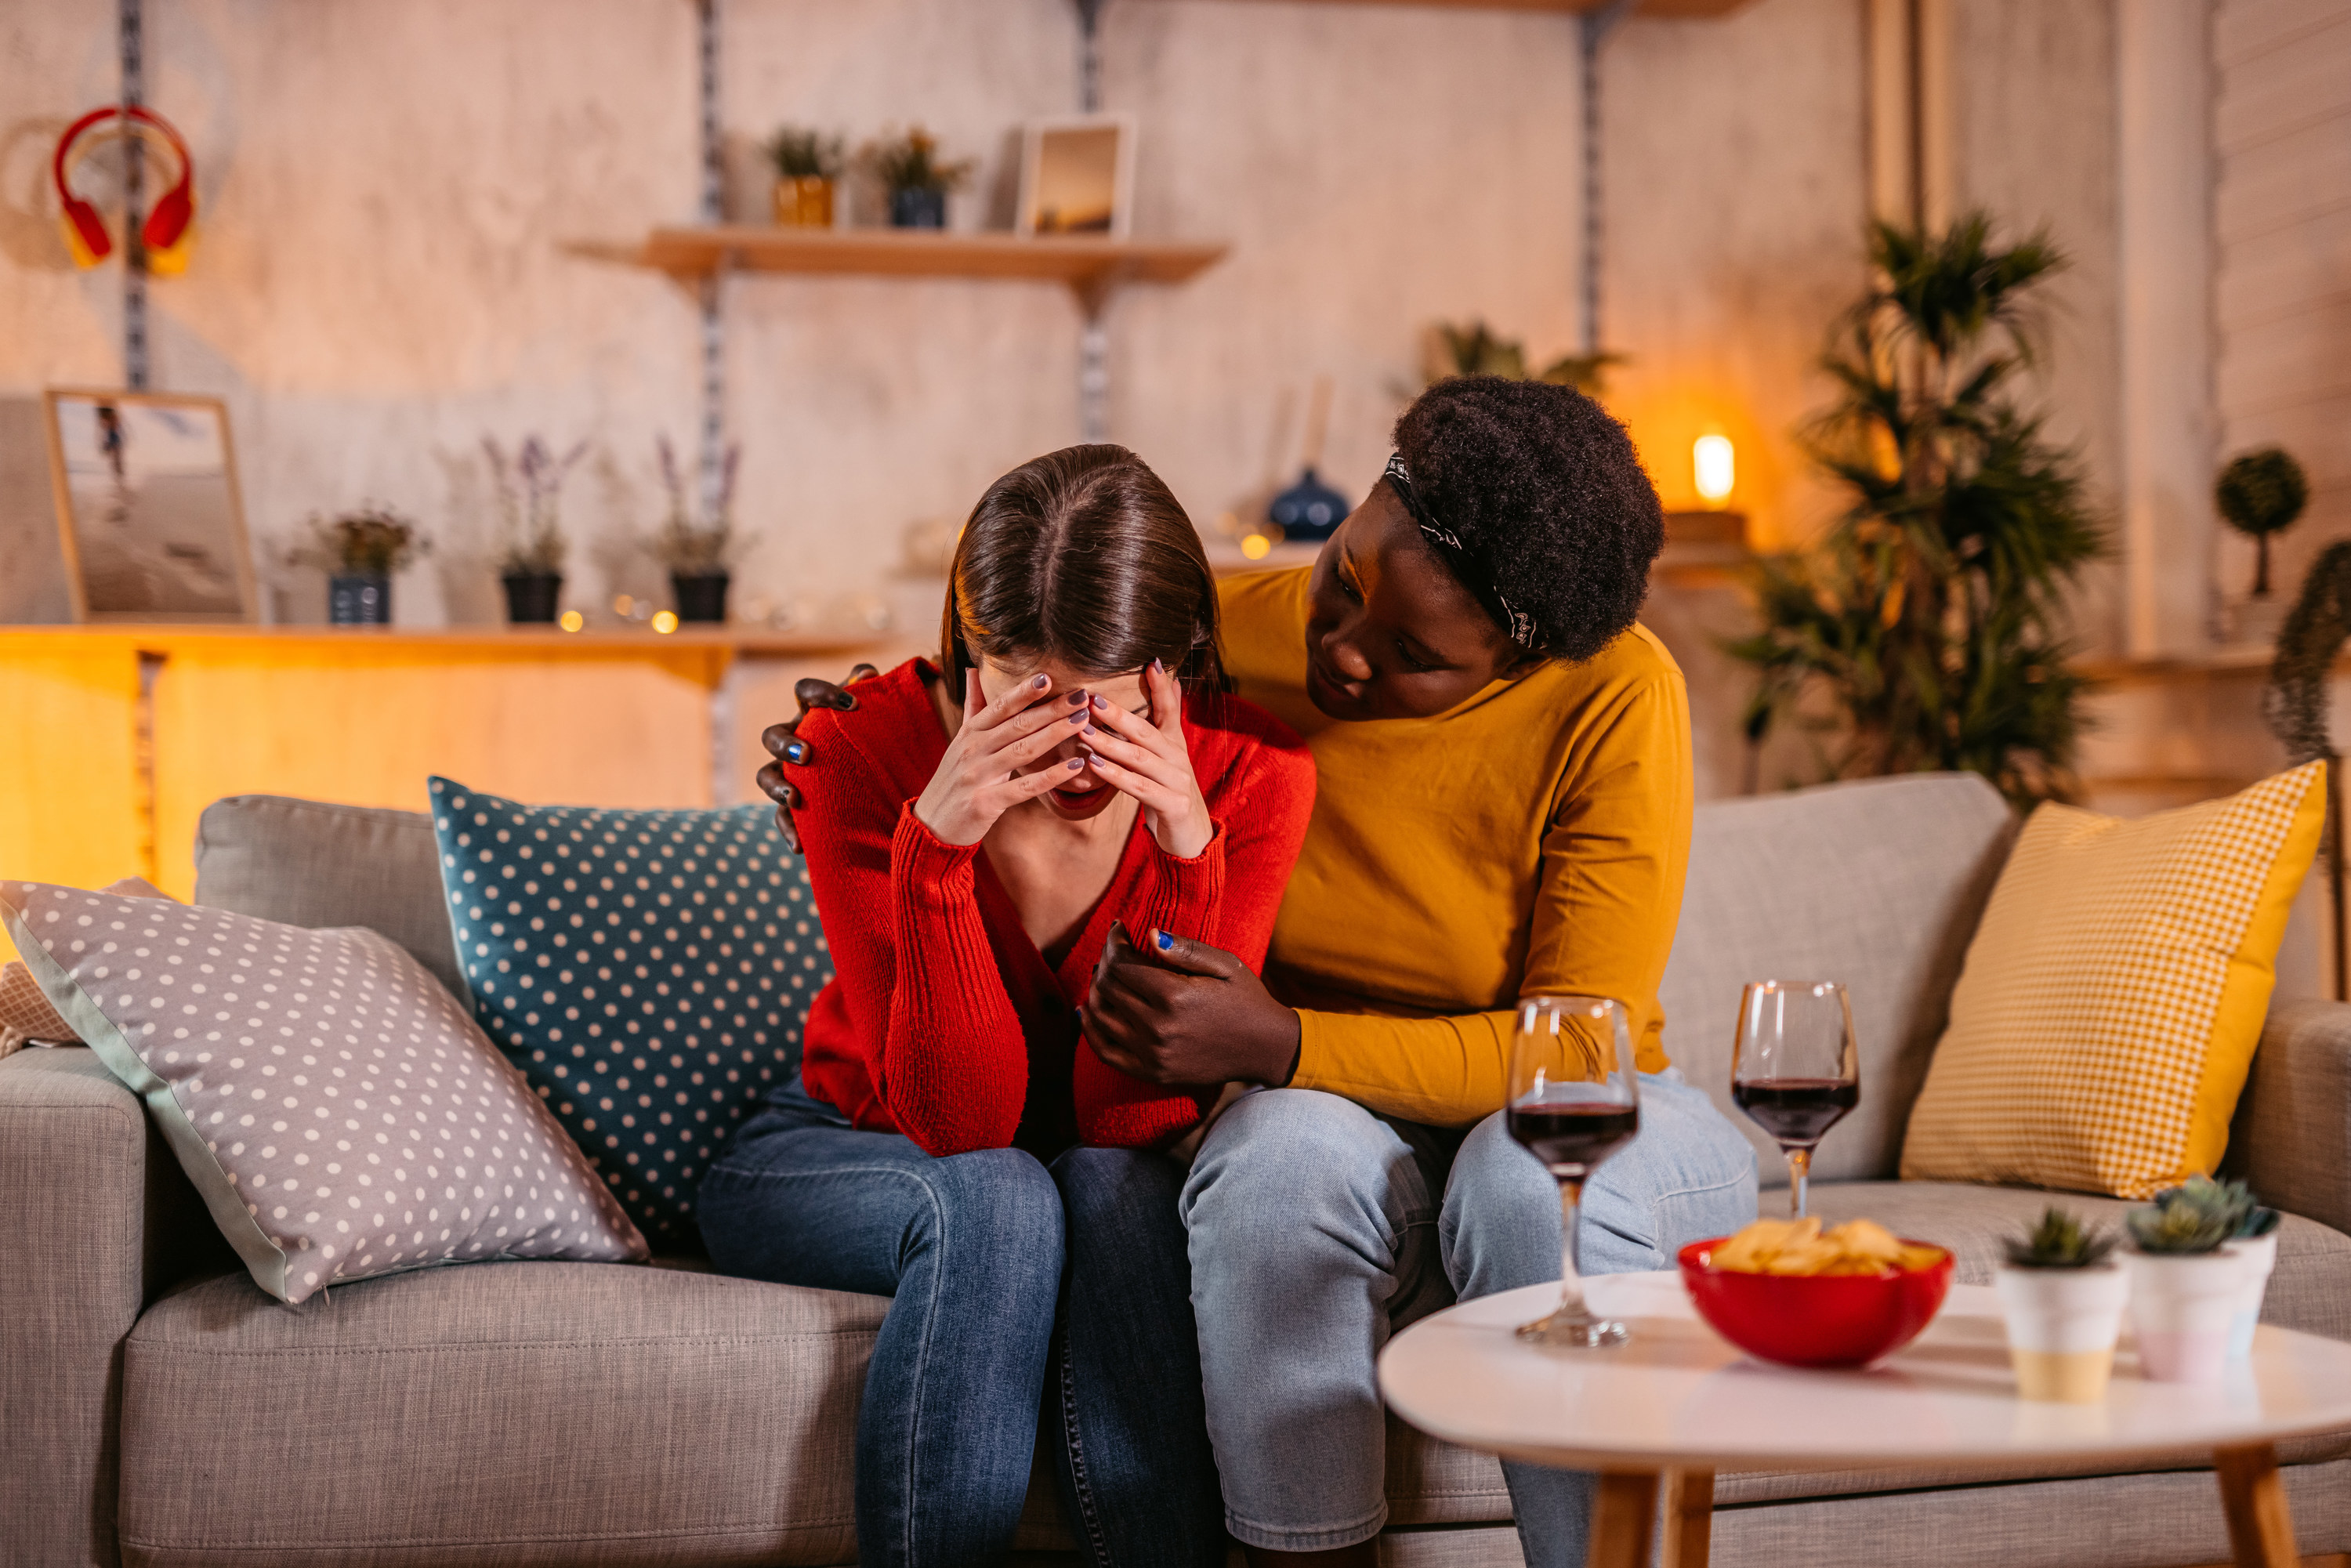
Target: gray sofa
{"points": [[159, 1409]]}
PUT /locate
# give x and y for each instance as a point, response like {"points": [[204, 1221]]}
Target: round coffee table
{"points": [[1679, 1404]]}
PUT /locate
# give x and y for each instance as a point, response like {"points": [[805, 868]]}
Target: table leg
{"points": [[1690, 1519], [1622, 1520], [2261, 1530]]}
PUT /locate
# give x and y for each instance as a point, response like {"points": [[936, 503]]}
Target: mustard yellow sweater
{"points": [[1530, 841]]}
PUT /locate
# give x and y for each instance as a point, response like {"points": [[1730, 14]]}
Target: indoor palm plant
{"points": [[1925, 631]]}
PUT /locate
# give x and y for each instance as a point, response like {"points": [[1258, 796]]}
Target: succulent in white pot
{"points": [[2062, 1296], [2186, 1279], [2256, 1244]]}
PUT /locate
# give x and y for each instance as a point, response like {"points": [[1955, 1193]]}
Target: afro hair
{"points": [[1545, 487]]}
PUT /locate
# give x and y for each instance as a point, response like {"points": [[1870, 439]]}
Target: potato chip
{"points": [[1803, 1248]]}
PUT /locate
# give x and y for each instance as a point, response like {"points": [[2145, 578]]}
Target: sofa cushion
{"points": [[519, 1414], [338, 1112], [648, 971], [1878, 884], [2113, 995], [306, 863]]}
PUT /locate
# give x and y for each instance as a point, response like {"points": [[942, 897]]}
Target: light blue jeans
{"points": [[1317, 1228]]}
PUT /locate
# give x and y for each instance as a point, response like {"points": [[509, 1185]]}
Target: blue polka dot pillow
{"points": [[648, 971]]}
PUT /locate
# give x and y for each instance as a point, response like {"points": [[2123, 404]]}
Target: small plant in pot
{"points": [[915, 178], [2260, 493], [806, 163], [2256, 1248], [530, 494], [2062, 1296], [2186, 1279], [698, 546], [360, 551]]}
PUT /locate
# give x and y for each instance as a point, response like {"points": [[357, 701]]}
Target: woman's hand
{"points": [[1147, 758], [1181, 1012], [980, 778], [784, 743]]}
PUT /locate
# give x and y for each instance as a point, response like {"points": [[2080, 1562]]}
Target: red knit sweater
{"points": [[943, 1021]]}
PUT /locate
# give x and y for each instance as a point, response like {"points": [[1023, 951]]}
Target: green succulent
{"points": [[802, 154], [2059, 1241], [2200, 1215]]}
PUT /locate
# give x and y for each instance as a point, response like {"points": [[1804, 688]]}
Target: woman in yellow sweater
{"points": [[1502, 810]]}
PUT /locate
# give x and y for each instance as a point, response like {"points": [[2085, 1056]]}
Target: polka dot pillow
{"points": [[339, 1113], [648, 971]]}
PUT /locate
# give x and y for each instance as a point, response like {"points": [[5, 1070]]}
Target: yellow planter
{"points": [[804, 202]]}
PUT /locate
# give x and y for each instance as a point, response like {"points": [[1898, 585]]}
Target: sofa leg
{"points": [[2261, 1531]]}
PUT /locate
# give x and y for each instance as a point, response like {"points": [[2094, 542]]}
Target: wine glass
{"points": [[1573, 1102], [1795, 1068]]}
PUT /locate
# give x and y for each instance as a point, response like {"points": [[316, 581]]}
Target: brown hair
{"points": [[1083, 556]]}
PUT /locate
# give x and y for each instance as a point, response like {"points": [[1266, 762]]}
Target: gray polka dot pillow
{"points": [[339, 1113], [648, 971]]}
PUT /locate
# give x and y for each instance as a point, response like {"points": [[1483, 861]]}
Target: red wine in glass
{"points": [[1570, 1139], [1795, 1067], [1796, 1110]]}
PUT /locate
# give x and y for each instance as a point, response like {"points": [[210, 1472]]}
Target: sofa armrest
{"points": [[2292, 1135], [95, 1220]]}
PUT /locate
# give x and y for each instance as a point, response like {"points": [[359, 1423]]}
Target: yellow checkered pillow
{"points": [[2103, 1026]]}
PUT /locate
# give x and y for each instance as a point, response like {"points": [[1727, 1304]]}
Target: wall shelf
{"points": [[1090, 266]]}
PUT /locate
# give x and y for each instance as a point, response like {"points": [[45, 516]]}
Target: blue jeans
{"points": [[1003, 1275], [1318, 1228]]}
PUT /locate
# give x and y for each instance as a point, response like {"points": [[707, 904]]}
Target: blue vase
{"points": [[919, 209], [1309, 509], [359, 601]]}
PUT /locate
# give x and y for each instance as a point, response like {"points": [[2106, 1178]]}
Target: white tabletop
{"points": [[1679, 1396]]}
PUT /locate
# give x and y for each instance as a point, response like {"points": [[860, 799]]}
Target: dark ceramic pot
{"points": [[531, 596], [919, 209], [702, 597], [359, 601]]}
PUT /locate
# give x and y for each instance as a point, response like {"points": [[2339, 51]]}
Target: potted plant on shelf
{"points": [[2186, 1279], [806, 163], [360, 551], [530, 493], [2062, 1298], [917, 181], [2260, 493], [699, 553]]}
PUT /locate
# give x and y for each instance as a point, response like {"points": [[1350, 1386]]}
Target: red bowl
{"points": [[1829, 1319]]}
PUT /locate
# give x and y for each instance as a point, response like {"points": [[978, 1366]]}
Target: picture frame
{"points": [[151, 519], [1077, 176]]}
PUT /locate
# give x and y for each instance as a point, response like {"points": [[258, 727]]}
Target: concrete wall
{"points": [[389, 192]]}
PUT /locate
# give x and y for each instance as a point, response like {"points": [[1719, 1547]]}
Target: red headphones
{"points": [[170, 228]]}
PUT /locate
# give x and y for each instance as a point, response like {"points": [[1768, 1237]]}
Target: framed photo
{"points": [[148, 509], [1077, 176]]}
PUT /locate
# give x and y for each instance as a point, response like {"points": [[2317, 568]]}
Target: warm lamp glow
{"points": [[665, 620], [1255, 547], [1711, 457], [571, 621]]}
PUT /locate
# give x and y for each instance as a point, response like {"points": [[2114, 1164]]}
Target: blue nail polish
{"points": [[796, 751], [1167, 943]]}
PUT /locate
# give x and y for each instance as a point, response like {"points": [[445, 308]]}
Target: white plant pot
{"points": [[2181, 1308], [2062, 1327], [2258, 1256]]}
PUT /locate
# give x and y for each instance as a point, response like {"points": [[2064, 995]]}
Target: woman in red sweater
{"points": [[1074, 764]]}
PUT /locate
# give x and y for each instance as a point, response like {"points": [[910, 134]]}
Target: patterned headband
{"points": [[1473, 575]]}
